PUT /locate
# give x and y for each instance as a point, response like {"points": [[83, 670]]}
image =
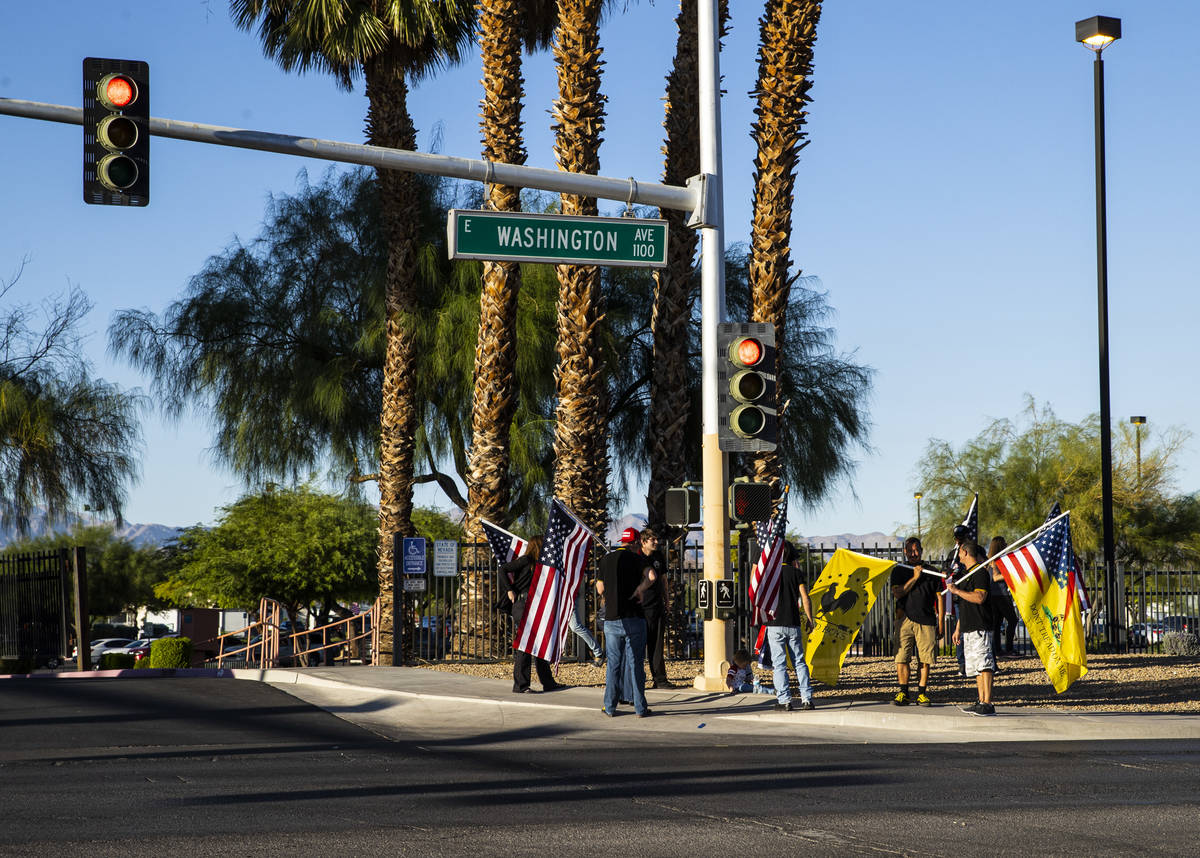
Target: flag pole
{"points": [[1020, 543]]}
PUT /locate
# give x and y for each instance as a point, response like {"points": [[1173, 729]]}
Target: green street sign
{"points": [[561, 239]]}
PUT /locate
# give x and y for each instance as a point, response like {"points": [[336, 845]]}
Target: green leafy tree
{"points": [[121, 576], [1021, 467], [301, 547], [65, 436]]}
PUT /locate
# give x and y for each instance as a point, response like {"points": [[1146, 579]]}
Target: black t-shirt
{"points": [[621, 572], [787, 610], [920, 603], [972, 617], [652, 598]]}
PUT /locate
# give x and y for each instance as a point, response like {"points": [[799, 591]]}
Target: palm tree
{"points": [[580, 439], [390, 43], [787, 34]]}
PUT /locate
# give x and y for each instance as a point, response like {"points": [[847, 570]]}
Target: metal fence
{"points": [[1156, 602], [35, 605]]}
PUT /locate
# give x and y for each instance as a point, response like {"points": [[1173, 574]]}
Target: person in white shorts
{"points": [[975, 624]]}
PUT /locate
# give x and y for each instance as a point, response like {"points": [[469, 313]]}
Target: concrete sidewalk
{"points": [[451, 702]]}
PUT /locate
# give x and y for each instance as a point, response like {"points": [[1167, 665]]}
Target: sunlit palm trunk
{"points": [[580, 436], [787, 34], [495, 388], [389, 124], [673, 294]]}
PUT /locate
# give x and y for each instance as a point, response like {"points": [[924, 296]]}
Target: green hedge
{"points": [[171, 652], [117, 660], [16, 665]]}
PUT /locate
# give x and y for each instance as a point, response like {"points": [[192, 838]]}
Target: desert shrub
{"points": [[171, 652], [1181, 643], [117, 660]]}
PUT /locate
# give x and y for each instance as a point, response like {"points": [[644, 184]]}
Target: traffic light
{"points": [[682, 506], [116, 132], [746, 387], [751, 501]]}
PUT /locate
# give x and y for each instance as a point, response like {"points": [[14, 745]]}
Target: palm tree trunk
{"points": [[495, 390], [389, 124], [580, 437], [674, 296], [788, 31]]}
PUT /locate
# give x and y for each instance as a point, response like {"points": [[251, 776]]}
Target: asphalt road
{"points": [[199, 767]]}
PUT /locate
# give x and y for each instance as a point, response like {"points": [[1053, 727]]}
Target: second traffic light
{"points": [[747, 420], [116, 132], [751, 501]]}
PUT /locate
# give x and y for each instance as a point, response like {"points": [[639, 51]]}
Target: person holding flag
{"points": [[973, 632], [520, 571], [789, 621], [922, 621]]}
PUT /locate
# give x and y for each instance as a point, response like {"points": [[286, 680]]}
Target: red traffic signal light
{"points": [[750, 502], [116, 132], [746, 387]]}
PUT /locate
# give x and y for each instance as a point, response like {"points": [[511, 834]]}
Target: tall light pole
{"points": [[918, 496], [1138, 421], [1096, 34]]}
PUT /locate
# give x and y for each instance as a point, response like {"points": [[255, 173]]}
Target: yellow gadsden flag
{"points": [[1044, 584], [848, 587]]}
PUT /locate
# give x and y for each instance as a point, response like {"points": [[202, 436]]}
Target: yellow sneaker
{"points": [[901, 699], [922, 700]]}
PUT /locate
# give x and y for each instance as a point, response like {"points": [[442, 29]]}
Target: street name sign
{"points": [[557, 239]]}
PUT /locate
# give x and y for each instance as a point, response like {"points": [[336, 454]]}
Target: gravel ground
{"points": [[1114, 683]]}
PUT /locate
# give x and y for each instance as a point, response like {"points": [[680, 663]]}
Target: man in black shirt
{"points": [[655, 604], [624, 577], [786, 634], [974, 630], [920, 619]]}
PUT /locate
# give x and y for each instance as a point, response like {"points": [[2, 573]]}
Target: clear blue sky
{"points": [[945, 202]]}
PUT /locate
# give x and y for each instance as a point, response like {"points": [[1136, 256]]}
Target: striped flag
{"points": [[506, 546], [1080, 591], [1044, 581], [971, 522], [556, 579], [764, 580]]}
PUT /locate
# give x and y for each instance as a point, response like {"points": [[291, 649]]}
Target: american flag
{"points": [[506, 546], [1081, 592], [1048, 557], [764, 582], [556, 579], [971, 522]]}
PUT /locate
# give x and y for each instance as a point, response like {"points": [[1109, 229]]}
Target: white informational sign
{"points": [[445, 558], [414, 585]]}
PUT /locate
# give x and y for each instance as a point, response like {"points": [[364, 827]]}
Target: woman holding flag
{"points": [[519, 575]]}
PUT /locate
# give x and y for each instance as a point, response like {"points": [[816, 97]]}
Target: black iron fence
{"points": [[35, 608], [448, 626]]}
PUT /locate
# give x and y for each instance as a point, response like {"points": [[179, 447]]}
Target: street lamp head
{"points": [[1098, 32], [1137, 420], [918, 495]]}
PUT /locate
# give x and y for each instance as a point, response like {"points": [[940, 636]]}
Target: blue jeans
{"points": [[785, 641], [576, 624], [625, 646]]}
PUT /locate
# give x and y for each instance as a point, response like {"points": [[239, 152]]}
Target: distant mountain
{"points": [[138, 534], [855, 540]]}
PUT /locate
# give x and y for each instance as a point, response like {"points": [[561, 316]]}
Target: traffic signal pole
{"points": [[712, 312], [691, 198]]}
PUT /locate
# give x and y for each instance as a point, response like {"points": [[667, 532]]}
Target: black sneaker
{"points": [[806, 704], [783, 707], [985, 709]]}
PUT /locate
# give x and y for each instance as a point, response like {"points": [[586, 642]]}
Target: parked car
{"points": [[139, 649], [1145, 634], [1178, 623], [101, 646]]}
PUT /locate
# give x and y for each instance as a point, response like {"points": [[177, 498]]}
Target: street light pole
{"points": [[1096, 34], [1138, 421], [918, 496]]}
